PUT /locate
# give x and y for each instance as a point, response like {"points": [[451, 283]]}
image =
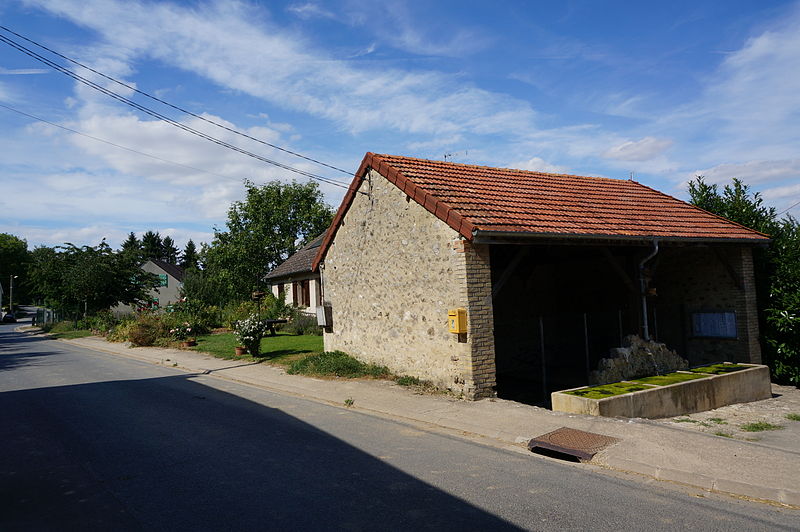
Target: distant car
{"points": [[9, 318]]}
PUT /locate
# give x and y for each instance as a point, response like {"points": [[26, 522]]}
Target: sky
{"points": [[661, 91]]}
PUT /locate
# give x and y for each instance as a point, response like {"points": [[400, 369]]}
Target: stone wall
{"points": [[709, 279], [391, 275]]}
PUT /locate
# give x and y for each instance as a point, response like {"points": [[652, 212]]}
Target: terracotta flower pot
{"points": [[240, 350]]}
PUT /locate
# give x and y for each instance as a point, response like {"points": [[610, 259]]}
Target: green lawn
{"points": [[281, 349]]}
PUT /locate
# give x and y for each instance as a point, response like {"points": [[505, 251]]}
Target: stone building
{"points": [[296, 281], [553, 271]]}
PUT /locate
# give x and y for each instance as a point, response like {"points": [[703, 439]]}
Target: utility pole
{"points": [[11, 292]]}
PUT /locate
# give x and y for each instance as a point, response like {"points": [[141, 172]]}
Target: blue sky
{"points": [[665, 90]]}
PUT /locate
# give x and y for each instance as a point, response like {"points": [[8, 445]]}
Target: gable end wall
{"points": [[390, 276]]}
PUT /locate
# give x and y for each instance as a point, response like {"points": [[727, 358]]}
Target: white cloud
{"points": [[639, 150], [310, 10], [753, 172], [537, 164], [217, 41], [22, 71]]}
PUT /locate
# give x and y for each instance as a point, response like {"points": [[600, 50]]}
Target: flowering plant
{"points": [[181, 332], [249, 332]]}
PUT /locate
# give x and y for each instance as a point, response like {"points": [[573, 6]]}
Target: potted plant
{"points": [[181, 333], [249, 332]]}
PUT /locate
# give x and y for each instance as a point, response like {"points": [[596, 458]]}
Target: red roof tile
{"points": [[472, 199]]}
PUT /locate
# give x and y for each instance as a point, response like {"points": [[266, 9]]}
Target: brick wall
{"points": [[391, 275]]}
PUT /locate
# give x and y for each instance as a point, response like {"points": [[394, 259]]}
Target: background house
{"points": [[297, 280], [168, 290], [552, 270]]}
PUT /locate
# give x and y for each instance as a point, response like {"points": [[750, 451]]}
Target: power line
{"points": [[788, 209], [177, 108], [164, 118], [23, 113]]}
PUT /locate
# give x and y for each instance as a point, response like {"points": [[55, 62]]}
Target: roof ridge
{"points": [[506, 168]]}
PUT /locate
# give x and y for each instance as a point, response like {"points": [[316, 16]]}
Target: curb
{"points": [[788, 498]]}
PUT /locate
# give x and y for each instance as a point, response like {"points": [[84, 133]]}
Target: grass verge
{"points": [[336, 364], [759, 426]]}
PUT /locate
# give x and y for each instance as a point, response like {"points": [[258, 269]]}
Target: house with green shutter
{"points": [[169, 287]]}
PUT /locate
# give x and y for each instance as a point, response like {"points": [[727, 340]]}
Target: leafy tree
{"points": [[14, 260], [777, 270], [273, 222], [189, 257], [85, 280], [169, 252], [152, 246]]}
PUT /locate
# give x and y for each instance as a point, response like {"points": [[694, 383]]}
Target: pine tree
{"points": [[189, 259], [132, 247], [152, 246], [169, 252]]}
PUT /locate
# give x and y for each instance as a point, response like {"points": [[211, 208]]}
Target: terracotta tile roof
{"points": [[300, 262], [474, 199]]}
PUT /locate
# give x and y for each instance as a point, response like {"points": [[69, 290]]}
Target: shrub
{"points": [[235, 312], [200, 316], [182, 331], [148, 328], [101, 323], [121, 331], [301, 323], [60, 327], [249, 333], [336, 363]]}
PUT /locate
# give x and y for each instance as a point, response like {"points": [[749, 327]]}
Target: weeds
{"points": [[718, 420], [338, 364], [793, 416], [723, 434], [349, 402], [407, 380], [760, 426]]}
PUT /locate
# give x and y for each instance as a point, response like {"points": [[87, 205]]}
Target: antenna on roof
{"points": [[631, 176]]}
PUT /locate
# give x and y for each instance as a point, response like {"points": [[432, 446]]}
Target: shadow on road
{"points": [[170, 453]]}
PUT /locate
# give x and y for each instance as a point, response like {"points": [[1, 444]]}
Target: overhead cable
{"points": [[173, 106], [23, 113], [164, 118]]}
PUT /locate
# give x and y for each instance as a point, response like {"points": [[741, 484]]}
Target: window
{"points": [[301, 293], [714, 324]]}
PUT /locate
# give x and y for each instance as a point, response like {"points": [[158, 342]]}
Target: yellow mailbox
{"points": [[457, 320]]}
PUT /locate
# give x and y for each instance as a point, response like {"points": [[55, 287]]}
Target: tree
{"points": [[132, 246], [189, 257], [14, 260], [273, 222], [169, 253], [84, 280], [152, 246], [777, 270]]}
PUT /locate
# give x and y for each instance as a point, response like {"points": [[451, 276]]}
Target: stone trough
{"points": [[704, 391]]}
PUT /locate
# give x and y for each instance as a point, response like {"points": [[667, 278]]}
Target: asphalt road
{"points": [[89, 441]]}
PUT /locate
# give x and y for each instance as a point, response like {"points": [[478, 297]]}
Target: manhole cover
{"points": [[583, 445]]}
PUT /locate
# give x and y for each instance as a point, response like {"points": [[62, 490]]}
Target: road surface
{"points": [[93, 441]]}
